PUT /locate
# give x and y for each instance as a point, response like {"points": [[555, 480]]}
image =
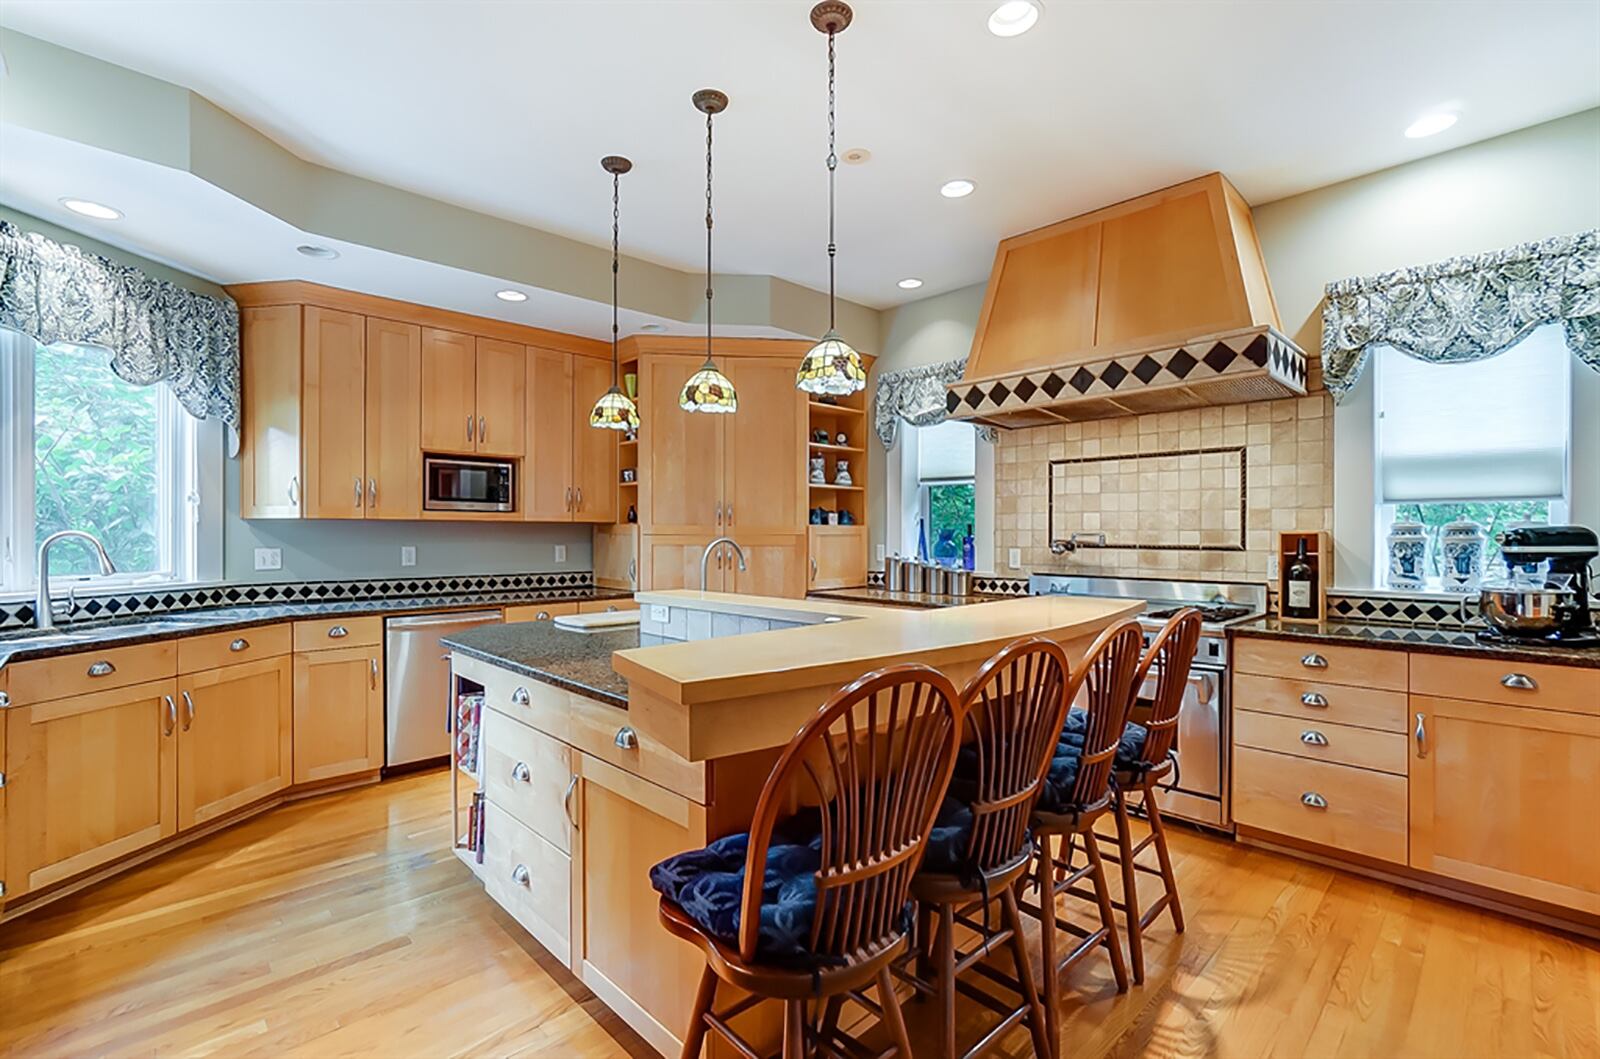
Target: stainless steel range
{"points": [[1199, 792]]}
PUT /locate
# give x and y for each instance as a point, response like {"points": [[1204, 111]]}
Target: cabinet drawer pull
{"points": [[543, 615], [626, 739], [1312, 737], [813, 568], [188, 710], [172, 716], [1313, 661], [1520, 681], [102, 669], [338, 632], [611, 608], [241, 644], [521, 773], [566, 801], [520, 875], [1315, 699], [1421, 735], [1314, 800], [520, 697], [5, 700]]}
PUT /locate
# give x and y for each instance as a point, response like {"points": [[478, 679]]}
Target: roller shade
{"points": [[946, 451], [1494, 429]]}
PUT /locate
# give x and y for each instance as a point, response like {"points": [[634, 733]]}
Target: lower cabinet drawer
{"points": [[539, 611], [1321, 741], [218, 649], [1313, 701], [606, 733], [607, 606], [529, 775], [529, 878], [1344, 808], [1357, 667], [319, 634]]}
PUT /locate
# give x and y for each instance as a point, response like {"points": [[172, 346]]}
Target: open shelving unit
{"points": [[846, 415]]}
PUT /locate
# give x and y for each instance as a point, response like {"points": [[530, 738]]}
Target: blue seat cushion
{"points": [[1063, 774], [708, 884], [946, 850]]}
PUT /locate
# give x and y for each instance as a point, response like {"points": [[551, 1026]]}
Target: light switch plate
{"points": [[408, 555], [1014, 557], [1272, 568], [269, 558], [880, 553], [660, 614], [561, 553]]}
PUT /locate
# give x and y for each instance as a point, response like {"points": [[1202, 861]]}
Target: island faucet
{"points": [[43, 614], [705, 557]]}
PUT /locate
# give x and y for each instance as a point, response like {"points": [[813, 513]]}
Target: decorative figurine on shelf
{"points": [[1408, 551], [818, 477], [819, 516], [833, 518], [841, 475], [845, 518], [841, 438], [633, 515], [1461, 546], [820, 436], [630, 475]]}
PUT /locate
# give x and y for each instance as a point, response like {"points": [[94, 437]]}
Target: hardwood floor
{"points": [[343, 925]]}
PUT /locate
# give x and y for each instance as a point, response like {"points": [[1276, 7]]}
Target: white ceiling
{"points": [[507, 107]]}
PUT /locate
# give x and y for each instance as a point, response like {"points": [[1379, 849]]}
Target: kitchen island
{"points": [[601, 754]]}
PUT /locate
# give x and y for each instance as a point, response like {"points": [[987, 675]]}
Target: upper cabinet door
{"points": [[680, 473], [502, 380], [547, 471], [594, 451], [449, 391], [394, 420], [269, 455], [764, 487], [334, 398]]}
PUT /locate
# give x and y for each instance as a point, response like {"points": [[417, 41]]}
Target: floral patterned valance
{"points": [[916, 395], [155, 331], [1466, 308]]}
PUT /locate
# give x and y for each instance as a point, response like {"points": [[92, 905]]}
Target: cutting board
{"points": [[611, 619]]}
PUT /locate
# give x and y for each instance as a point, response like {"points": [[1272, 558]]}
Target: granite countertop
{"points": [[577, 661], [23, 644], [924, 600], [1405, 638]]}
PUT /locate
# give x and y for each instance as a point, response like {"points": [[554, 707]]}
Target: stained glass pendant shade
{"points": [[614, 410], [831, 366], [708, 390]]}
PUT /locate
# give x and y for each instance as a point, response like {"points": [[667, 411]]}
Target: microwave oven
{"points": [[458, 483]]}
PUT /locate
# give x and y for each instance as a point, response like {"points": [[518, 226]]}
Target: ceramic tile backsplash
{"points": [[1191, 494], [684, 623]]}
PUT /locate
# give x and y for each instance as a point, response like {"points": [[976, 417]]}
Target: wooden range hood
{"points": [[1158, 303]]}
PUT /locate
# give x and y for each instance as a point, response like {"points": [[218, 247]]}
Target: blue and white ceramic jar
{"points": [[1408, 555], [1461, 546]]}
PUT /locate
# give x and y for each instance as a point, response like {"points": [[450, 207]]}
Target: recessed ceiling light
{"points": [[511, 295], [910, 283], [1429, 124], [856, 156], [92, 209], [957, 189], [321, 253], [1014, 17], [653, 328]]}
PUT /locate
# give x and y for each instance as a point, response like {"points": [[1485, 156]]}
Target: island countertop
{"points": [[577, 661]]}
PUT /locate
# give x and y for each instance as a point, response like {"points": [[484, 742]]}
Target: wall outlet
{"points": [[880, 553], [269, 558], [660, 614], [408, 555], [1014, 558], [561, 553], [1272, 568]]}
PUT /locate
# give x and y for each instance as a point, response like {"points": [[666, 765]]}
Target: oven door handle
{"points": [[1207, 683]]}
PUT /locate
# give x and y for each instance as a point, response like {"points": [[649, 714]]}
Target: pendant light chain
{"points": [[616, 223], [833, 165], [708, 237]]}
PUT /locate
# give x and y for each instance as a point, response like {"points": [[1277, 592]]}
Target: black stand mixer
{"points": [[1555, 608]]}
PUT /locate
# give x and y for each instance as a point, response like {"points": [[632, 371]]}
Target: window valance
{"points": [[1465, 308], [918, 396], [155, 331]]}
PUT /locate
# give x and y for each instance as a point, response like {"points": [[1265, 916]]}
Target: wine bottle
{"points": [[1300, 586]]}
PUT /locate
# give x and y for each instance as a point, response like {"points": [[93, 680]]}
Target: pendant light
{"points": [[708, 390], [831, 366], [615, 410]]}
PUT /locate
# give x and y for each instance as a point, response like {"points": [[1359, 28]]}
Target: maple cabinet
{"points": [[338, 712], [269, 445], [394, 420], [680, 454], [838, 556], [594, 450], [235, 742], [333, 413], [570, 474], [472, 394]]}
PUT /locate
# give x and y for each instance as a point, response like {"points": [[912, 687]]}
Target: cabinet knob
{"points": [[1520, 681], [241, 644], [1314, 800], [1314, 661], [1312, 737], [520, 875], [520, 697], [102, 669], [1314, 699], [338, 632], [626, 739], [520, 772]]}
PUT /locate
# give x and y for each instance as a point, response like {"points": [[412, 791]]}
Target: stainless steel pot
{"points": [[1525, 611]]}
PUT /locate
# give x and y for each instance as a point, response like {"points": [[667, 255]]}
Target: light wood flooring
{"points": [[343, 925]]}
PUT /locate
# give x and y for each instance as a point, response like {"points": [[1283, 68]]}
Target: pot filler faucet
{"points": [[705, 557], [43, 614]]}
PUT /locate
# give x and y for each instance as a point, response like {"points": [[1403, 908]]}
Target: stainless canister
{"points": [[916, 579], [960, 582], [894, 574], [938, 581]]}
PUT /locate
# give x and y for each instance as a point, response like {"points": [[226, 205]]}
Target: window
{"points": [[946, 474], [85, 450], [1488, 440]]}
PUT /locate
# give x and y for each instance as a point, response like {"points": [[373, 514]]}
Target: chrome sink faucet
{"points": [[705, 557], [43, 612]]}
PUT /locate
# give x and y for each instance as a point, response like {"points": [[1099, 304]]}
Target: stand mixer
{"points": [[1555, 610]]}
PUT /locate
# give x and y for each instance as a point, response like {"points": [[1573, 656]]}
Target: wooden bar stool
{"points": [[1015, 706], [1076, 793], [1144, 758], [815, 904]]}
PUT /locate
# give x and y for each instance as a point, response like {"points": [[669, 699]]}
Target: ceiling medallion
{"points": [[831, 366], [615, 410], [708, 390]]}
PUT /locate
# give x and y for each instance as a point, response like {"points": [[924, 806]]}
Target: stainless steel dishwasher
{"points": [[417, 702]]}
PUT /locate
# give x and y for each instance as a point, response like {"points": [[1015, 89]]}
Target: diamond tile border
{"points": [[19, 613]]}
